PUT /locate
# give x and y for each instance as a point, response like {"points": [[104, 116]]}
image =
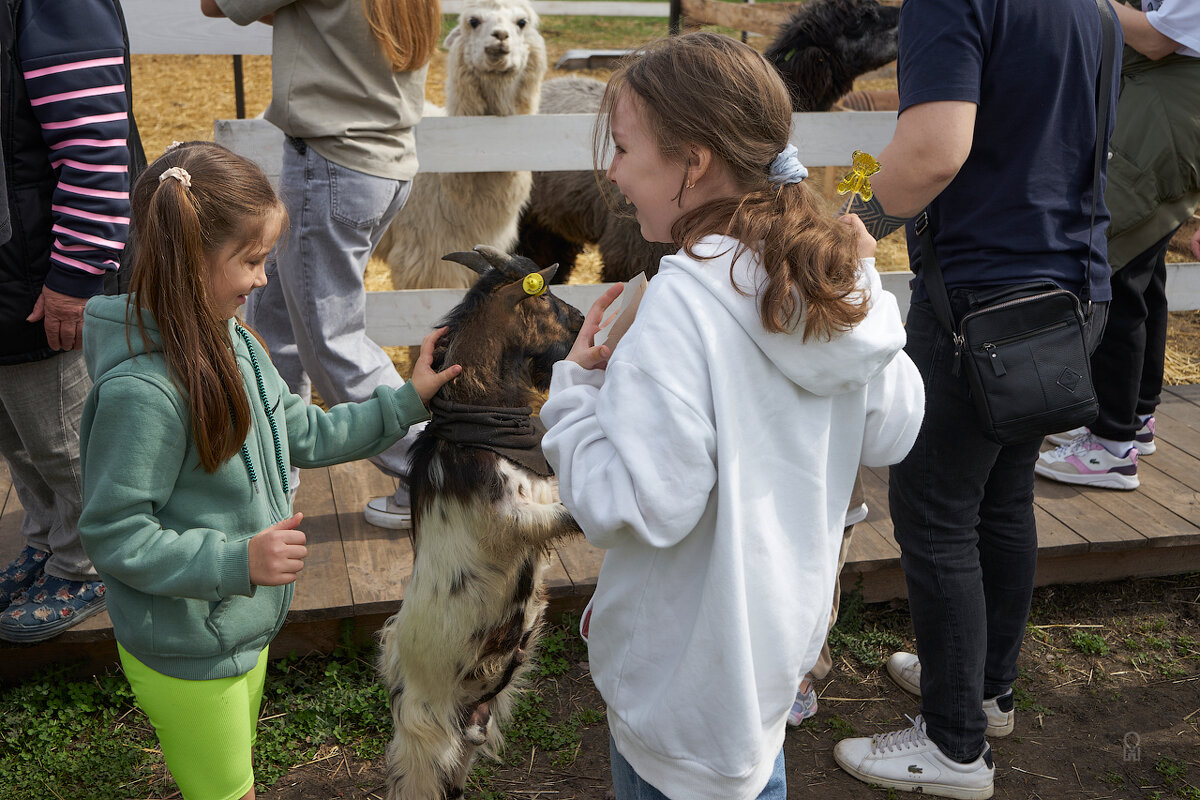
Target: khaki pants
{"points": [[825, 661]]}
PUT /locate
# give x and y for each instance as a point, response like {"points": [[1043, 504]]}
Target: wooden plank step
{"points": [[323, 586]]}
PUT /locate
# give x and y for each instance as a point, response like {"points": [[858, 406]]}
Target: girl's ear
{"points": [[699, 160]]}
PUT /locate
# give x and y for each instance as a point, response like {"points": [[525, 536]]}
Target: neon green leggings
{"points": [[206, 728]]}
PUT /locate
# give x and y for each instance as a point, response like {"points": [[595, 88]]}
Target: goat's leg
{"points": [[541, 523]]}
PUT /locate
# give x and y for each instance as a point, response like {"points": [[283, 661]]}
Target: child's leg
{"points": [[206, 728]]}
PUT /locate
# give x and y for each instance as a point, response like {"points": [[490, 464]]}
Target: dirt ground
{"points": [[1108, 706]]}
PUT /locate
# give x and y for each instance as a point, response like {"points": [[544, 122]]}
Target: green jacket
{"points": [[171, 540], [1154, 169]]}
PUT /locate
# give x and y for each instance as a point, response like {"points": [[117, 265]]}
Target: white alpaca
{"points": [[495, 67]]}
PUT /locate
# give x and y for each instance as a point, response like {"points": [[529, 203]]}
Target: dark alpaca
{"points": [[827, 44], [819, 52], [484, 515]]}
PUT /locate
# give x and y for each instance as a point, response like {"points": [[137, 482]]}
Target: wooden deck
{"points": [[355, 575]]}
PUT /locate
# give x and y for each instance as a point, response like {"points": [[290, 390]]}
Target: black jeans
{"points": [[1127, 367], [962, 508]]}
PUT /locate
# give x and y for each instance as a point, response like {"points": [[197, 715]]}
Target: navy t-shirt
{"points": [[1019, 208]]}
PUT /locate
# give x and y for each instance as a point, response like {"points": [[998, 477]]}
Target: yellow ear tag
{"points": [[534, 285], [858, 180]]}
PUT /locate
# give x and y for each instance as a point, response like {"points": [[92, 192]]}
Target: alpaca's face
{"points": [[496, 35]]}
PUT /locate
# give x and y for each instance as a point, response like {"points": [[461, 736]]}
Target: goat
{"points": [[494, 67], [453, 656], [819, 52]]}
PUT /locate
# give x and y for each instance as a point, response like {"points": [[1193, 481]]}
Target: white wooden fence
{"points": [[483, 144]]}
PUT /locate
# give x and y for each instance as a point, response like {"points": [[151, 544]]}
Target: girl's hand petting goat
{"points": [[585, 352], [424, 379]]}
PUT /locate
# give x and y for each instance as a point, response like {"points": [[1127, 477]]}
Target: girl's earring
{"points": [[690, 185]]}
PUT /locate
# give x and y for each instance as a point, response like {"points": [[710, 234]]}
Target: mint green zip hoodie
{"points": [[171, 540]]}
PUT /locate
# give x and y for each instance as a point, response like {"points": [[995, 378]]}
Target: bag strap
{"points": [[935, 284]]}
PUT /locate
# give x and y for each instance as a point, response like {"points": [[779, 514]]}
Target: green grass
{"points": [[1091, 644], [76, 739]]}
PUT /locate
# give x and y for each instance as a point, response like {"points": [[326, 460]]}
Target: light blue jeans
{"points": [[628, 785], [41, 404], [312, 312]]}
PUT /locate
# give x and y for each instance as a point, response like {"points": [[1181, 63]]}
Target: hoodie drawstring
{"points": [[262, 395]]}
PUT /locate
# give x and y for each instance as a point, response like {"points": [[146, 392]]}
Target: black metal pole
{"points": [[239, 92]]}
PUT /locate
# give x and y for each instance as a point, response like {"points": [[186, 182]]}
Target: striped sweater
{"points": [[72, 58]]}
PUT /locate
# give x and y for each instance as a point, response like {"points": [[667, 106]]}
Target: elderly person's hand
{"points": [[63, 315]]}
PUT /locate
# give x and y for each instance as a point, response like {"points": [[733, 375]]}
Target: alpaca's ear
{"points": [[451, 36], [469, 259]]}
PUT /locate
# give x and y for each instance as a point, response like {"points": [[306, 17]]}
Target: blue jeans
{"points": [[628, 785], [312, 312], [962, 509]]}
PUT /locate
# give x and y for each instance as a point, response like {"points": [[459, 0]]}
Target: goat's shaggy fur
{"points": [[453, 656], [819, 52], [494, 67]]}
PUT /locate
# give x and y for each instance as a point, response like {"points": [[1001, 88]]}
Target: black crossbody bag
{"points": [[1023, 346]]}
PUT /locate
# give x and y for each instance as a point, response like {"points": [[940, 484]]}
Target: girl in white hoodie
{"points": [[712, 453]]}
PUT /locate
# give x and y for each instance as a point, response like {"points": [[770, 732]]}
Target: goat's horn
{"points": [[469, 259], [499, 259]]}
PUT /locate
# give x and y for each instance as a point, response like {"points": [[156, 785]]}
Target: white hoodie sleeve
{"points": [[895, 408], [634, 461]]}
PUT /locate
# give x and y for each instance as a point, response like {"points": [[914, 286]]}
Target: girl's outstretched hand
{"points": [[585, 352], [863, 239], [424, 379], [277, 553]]}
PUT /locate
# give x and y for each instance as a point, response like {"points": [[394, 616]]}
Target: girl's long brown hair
{"points": [[178, 229], [407, 30], [709, 90]]}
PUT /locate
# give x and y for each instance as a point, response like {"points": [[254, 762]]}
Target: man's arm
{"points": [[930, 145], [73, 66], [1141, 35]]}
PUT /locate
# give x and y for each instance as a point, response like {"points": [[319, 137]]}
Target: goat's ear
{"points": [[469, 259], [516, 292]]}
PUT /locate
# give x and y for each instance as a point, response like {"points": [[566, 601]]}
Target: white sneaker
{"points": [[384, 513], [908, 761], [905, 669], [1086, 462], [1143, 439]]}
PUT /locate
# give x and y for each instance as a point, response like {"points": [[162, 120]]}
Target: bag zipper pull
{"points": [[994, 357], [958, 345]]}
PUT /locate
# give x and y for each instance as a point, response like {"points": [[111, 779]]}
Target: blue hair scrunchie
{"points": [[786, 168]]}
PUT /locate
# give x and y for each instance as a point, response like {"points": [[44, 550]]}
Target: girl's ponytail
{"points": [[179, 228]]}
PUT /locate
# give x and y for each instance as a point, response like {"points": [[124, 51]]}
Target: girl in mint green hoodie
{"points": [[187, 439]]}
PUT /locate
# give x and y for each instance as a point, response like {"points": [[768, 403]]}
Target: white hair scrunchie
{"points": [[786, 168], [179, 173]]}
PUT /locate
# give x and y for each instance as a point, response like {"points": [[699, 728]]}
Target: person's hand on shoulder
{"points": [[864, 241], [424, 379], [1196, 244]]}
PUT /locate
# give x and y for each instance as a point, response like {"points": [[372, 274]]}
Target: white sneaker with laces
{"points": [[1086, 462], [907, 760], [384, 513], [905, 669]]}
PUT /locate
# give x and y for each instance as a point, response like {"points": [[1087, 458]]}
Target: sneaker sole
{"points": [[1108, 480], [385, 520], [1003, 729], [31, 635], [1145, 448], [937, 789]]}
